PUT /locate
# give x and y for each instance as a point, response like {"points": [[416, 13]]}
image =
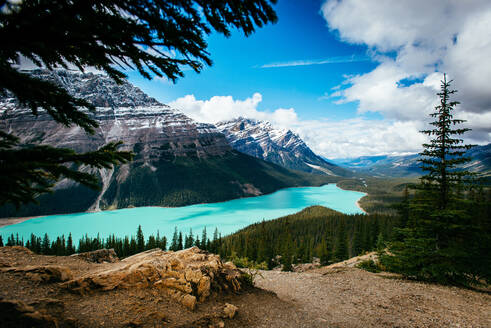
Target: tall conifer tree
{"points": [[140, 239], [440, 241]]}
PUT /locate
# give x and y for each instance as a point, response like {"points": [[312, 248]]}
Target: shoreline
{"points": [[11, 221], [358, 205]]}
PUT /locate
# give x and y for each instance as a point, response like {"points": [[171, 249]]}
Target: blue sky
{"points": [[301, 34], [382, 62]]}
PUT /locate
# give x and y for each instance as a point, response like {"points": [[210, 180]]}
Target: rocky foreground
{"points": [[192, 288]]}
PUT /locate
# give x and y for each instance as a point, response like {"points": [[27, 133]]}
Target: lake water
{"points": [[228, 216]]}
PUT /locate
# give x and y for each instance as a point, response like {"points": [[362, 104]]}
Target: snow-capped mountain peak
{"points": [[281, 146]]}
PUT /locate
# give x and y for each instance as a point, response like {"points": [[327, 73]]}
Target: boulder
{"points": [[44, 273], [99, 256], [188, 276], [230, 310]]}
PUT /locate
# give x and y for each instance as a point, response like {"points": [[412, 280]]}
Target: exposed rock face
{"points": [[189, 276], [280, 146], [44, 273], [152, 130], [99, 256]]}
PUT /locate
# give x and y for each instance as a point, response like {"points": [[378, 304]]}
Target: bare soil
{"points": [[342, 297], [350, 297]]}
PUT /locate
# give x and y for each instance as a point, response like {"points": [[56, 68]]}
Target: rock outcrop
{"points": [[230, 310], [124, 113], [44, 273], [99, 256], [188, 276]]}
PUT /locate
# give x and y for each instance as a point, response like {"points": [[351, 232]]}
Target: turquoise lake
{"points": [[228, 216]]}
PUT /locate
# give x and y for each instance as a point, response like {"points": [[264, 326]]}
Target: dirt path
{"points": [[351, 297]]}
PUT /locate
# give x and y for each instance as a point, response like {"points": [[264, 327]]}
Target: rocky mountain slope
{"points": [[280, 146], [408, 165], [177, 161]]}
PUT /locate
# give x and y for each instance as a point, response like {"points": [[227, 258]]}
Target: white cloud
{"points": [[359, 137], [418, 40], [332, 139], [309, 62], [222, 108]]}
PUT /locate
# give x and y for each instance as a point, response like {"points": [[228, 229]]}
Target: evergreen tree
{"points": [[10, 240], [45, 246], [262, 252], [140, 240], [126, 246], [441, 239], [33, 244], [163, 243], [133, 246], [288, 253], [174, 244], [204, 238], [214, 243], [179, 242], [325, 251], [189, 239], [110, 36], [151, 244], [380, 242], [356, 243], [341, 247]]}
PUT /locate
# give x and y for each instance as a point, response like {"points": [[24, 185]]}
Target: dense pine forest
{"points": [[314, 232]]}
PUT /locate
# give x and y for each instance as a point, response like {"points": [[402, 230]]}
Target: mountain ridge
{"points": [[280, 146], [408, 165]]}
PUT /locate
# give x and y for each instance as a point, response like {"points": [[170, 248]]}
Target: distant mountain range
{"points": [[177, 161], [408, 165], [280, 146]]}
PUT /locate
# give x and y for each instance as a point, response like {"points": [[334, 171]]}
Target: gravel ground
{"points": [[351, 297]]}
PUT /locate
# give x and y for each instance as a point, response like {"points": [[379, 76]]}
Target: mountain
{"points": [[481, 160], [383, 165], [408, 165], [177, 160], [280, 146]]}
